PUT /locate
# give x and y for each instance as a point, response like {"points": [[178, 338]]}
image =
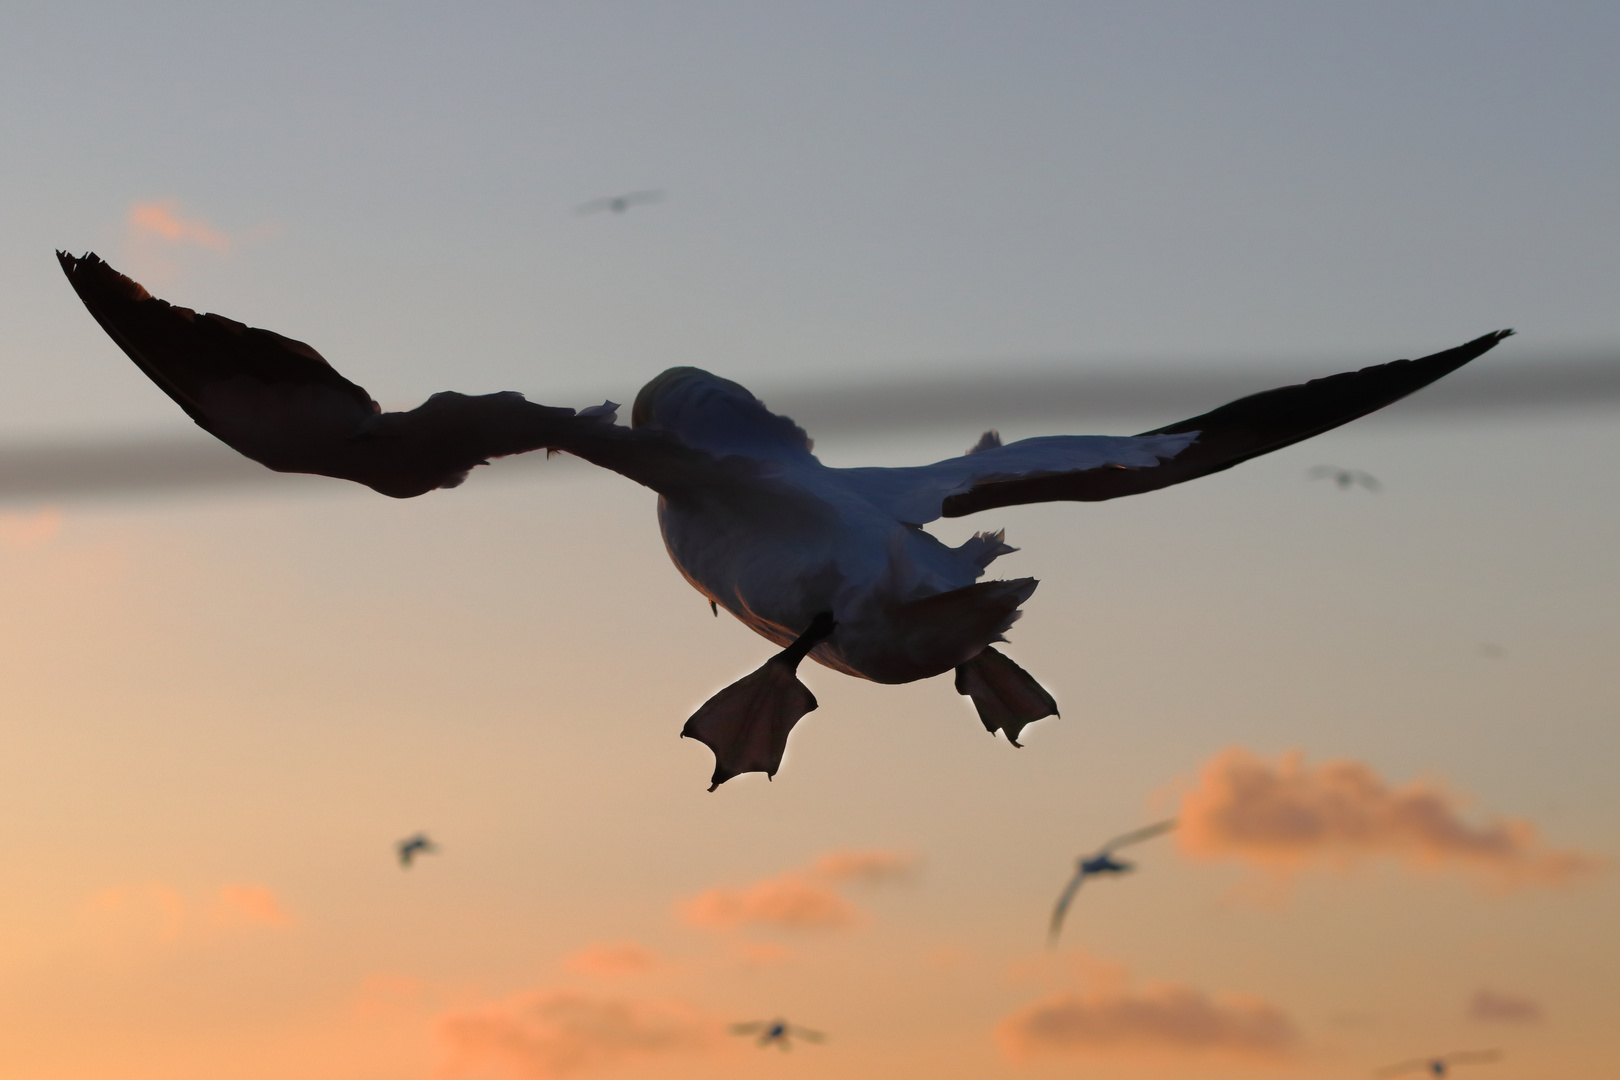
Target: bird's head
{"points": [[715, 414]]}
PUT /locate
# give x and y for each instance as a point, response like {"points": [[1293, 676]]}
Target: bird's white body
{"points": [[792, 538]]}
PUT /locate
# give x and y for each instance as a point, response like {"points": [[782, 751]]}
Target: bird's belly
{"points": [[891, 628]]}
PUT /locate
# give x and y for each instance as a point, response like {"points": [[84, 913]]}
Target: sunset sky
{"points": [[1387, 720]]}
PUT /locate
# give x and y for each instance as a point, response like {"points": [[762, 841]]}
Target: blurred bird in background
{"points": [[1440, 1066], [412, 846], [1345, 478], [777, 1031], [619, 204], [1101, 861]]}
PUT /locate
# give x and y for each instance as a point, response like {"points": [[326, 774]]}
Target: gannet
{"points": [[619, 204], [1345, 478], [1101, 861], [412, 846], [834, 564], [778, 1031], [1440, 1066]]}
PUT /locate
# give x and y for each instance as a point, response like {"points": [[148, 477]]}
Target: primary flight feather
{"points": [[833, 564]]}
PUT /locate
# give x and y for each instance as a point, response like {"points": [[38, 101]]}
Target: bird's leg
{"points": [[1006, 696], [747, 723]]}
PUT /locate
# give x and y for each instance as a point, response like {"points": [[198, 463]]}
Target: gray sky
{"points": [[854, 191]]}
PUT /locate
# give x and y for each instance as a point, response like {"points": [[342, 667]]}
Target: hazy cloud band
{"points": [[53, 470]]}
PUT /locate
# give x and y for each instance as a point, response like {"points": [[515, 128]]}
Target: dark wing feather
{"points": [[1061, 909], [280, 403], [1472, 1057], [1137, 836], [1235, 432]]}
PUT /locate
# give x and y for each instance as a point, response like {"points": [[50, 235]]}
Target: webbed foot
{"points": [[1007, 697], [747, 724]]}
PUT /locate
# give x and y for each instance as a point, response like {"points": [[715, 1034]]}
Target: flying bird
{"points": [[619, 204], [777, 1031], [1345, 478], [1101, 861], [833, 564], [1440, 1066], [412, 846]]}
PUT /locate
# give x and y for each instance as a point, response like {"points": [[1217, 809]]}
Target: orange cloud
{"points": [[1160, 1020], [559, 1033], [1288, 816], [790, 902], [247, 905], [618, 958], [1489, 1007], [868, 867], [799, 899], [156, 910], [160, 220]]}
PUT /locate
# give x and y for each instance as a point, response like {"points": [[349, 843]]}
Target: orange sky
{"points": [[284, 687], [1387, 718]]}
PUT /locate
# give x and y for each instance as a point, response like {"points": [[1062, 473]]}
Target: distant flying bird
{"points": [[828, 563], [1345, 478], [1101, 861], [618, 204], [412, 846], [1440, 1066], [777, 1031]]}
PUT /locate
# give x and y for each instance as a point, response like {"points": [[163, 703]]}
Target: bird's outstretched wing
{"points": [[1062, 908], [1136, 836], [1220, 439], [1461, 1057], [750, 1028], [280, 403], [806, 1034], [1472, 1057]]}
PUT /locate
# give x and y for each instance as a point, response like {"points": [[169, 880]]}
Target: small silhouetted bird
{"points": [[777, 1031], [412, 846], [1345, 478], [1440, 1066], [1101, 861], [618, 204]]}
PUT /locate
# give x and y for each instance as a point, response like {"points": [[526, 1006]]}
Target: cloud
{"points": [[160, 220], [1288, 816], [560, 1033], [800, 899], [1490, 1007], [153, 909], [789, 902], [247, 905], [1159, 1020], [871, 867], [617, 958]]}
